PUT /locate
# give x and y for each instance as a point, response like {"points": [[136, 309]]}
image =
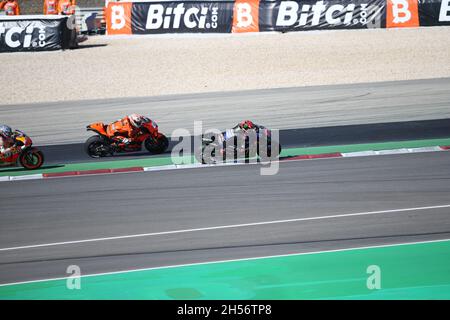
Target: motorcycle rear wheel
{"points": [[97, 147], [208, 158]]}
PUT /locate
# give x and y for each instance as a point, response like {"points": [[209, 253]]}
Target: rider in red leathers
{"points": [[8, 144]]}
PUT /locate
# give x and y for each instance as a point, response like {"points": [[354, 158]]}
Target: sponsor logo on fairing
{"points": [[290, 13], [166, 17], [16, 37]]}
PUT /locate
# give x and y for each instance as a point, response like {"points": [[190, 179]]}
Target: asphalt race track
{"points": [[36, 216], [305, 137], [71, 209], [286, 108]]}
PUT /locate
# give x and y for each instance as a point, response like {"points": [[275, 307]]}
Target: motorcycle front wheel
{"points": [[157, 146], [31, 159]]}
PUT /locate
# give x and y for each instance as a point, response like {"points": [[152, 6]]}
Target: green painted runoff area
{"points": [[409, 271]]}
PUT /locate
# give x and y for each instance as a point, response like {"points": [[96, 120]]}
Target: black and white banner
{"points": [[272, 15], [434, 12], [28, 33], [328, 14], [181, 17]]}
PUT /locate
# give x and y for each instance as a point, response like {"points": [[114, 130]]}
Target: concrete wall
{"points": [[35, 6]]}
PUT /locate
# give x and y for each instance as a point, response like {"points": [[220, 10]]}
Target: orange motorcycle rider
{"points": [[8, 144], [127, 129], [129, 134]]}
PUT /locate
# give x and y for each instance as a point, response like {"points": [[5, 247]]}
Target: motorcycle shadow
{"points": [[137, 154], [17, 169]]}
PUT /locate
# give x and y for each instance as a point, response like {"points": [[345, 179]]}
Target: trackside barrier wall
{"points": [[35, 33], [254, 15]]}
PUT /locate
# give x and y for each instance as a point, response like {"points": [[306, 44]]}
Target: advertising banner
{"points": [[434, 12], [170, 17], [246, 16], [277, 15], [402, 14], [32, 33], [321, 15]]}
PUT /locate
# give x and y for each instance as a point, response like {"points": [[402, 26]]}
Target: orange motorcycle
{"points": [[105, 143], [23, 154]]}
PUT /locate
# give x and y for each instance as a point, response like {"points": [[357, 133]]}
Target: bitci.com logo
{"points": [[126, 18], [293, 13], [19, 37], [167, 17]]}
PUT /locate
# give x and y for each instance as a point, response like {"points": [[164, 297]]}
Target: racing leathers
{"points": [[6, 146], [123, 130], [238, 131], [10, 145], [238, 139]]}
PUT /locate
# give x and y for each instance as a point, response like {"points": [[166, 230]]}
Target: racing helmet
{"points": [[5, 131], [246, 125], [136, 120]]}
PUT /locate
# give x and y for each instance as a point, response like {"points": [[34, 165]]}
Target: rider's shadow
{"points": [[6, 170]]}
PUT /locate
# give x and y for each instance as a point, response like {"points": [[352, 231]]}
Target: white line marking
{"points": [[391, 151], [27, 177], [160, 168], [359, 154], [425, 149], [222, 227], [231, 260]]}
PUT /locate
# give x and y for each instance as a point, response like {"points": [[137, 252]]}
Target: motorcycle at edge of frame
{"points": [[25, 155]]}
